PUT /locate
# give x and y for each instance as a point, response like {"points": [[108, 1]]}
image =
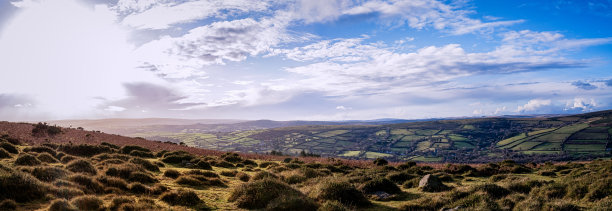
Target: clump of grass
{"points": [[109, 145], [243, 176], [127, 149], [88, 183], [177, 157], [47, 158], [258, 194], [84, 150], [123, 171], [294, 178], [9, 147], [39, 149], [120, 200], [188, 180], [292, 202], [400, 177], [139, 188], [267, 164], [232, 157], [113, 182], [48, 173], [380, 184], [4, 154], [203, 173], [87, 202], [110, 156], [20, 186], [342, 191], [81, 166], [142, 178], [492, 190], [171, 173], [202, 164], [68, 158], [8, 204], [27, 160], [61, 205], [145, 164], [380, 162], [332, 206], [182, 198], [223, 164], [263, 175], [67, 192], [229, 173]]}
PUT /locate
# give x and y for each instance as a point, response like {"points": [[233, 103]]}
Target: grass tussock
{"points": [[87, 202], [258, 194], [171, 173], [49, 173], [8, 204], [27, 160], [9, 147], [341, 191], [61, 205], [81, 166], [47, 158], [182, 198], [84, 150], [21, 187], [4, 154]]}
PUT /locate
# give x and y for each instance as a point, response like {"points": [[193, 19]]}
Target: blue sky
{"points": [[310, 59]]}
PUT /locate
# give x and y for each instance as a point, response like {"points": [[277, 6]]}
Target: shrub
{"points": [[84, 150], [109, 145], [138, 153], [88, 202], [258, 194], [8, 204], [47, 158], [142, 178], [87, 182], [68, 158], [380, 184], [182, 198], [48, 173], [127, 149], [61, 205], [263, 175], [243, 177], [40, 149], [177, 158], [232, 157], [139, 188], [67, 192], [145, 164], [341, 191], [27, 160], [9, 147], [81, 166], [380, 162], [171, 173], [292, 202], [4, 154]]}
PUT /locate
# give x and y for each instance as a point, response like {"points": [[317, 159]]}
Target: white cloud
{"points": [[343, 108], [164, 14], [533, 105], [581, 104], [115, 108], [420, 14]]}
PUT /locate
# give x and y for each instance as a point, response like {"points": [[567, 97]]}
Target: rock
{"points": [[381, 196], [431, 183]]}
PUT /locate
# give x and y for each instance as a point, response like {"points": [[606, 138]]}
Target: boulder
{"points": [[431, 183]]}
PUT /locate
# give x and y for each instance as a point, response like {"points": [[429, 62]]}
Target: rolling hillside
{"points": [[464, 140]]}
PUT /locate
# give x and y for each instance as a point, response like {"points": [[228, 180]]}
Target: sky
{"points": [[303, 59]]}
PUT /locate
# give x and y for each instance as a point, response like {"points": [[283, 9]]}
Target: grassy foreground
{"points": [[109, 177]]}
